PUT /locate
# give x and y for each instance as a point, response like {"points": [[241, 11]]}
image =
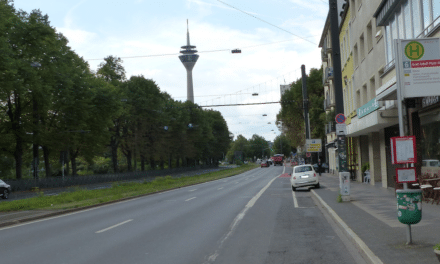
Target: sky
{"points": [[154, 30]]}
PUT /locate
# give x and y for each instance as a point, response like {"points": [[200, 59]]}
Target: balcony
{"points": [[328, 74], [330, 127]]}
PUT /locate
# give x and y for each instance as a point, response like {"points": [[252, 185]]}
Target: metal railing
{"points": [[68, 181]]}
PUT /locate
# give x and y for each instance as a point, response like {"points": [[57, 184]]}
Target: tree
{"points": [[258, 146], [281, 145], [290, 119], [112, 71]]}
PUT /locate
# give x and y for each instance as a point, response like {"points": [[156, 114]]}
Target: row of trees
{"points": [[258, 147], [51, 102], [290, 119]]}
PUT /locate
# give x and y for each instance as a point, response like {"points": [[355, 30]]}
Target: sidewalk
{"points": [[372, 215]]}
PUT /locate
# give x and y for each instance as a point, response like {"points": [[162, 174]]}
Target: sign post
{"points": [[417, 75]]}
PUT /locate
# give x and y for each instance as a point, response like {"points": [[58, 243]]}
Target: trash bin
{"points": [[409, 206]]}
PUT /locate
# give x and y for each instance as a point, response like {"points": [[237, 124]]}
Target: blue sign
{"points": [[340, 119]]}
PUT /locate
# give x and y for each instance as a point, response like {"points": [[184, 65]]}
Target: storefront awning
{"points": [[388, 91]]}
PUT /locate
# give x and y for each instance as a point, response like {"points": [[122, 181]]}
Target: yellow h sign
{"points": [[414, 50]]}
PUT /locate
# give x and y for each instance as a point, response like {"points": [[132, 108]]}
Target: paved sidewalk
{"points": [[372, 215]]}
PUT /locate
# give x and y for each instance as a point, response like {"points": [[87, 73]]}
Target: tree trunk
{"points": [[47, 161], [128, 156], [73, 156], [142, 163], [66, 172], [18, 155], [162, 164], [170, 161], [73, 160], [114, 146], [152, 164], [177, 162], [134, 160]]}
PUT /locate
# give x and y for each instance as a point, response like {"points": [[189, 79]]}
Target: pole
{"points": [[401, 110], [337, 78], [305, 100], [336, 56]]}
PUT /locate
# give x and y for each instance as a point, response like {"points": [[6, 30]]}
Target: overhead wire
{"points": [[264, 21]]}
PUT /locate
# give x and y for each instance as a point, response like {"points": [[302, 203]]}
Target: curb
{"points": [[67, 211], [354, 238]]}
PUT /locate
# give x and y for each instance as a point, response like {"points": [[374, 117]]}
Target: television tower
{"points": [[189, 59]]}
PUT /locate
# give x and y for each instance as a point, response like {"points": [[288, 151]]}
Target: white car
{"points": [[304, 176], [5, 189]]}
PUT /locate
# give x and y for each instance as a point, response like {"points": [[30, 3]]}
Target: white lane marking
{"points": [[236, 182], [220, 188], [111, 227], [284, 169], [64, 215], [192, 190], [361, 244], [190, 199], [295, 202], [237, 220]]}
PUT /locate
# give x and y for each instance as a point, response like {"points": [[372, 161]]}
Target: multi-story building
{"points": [[411, 19], [367, 33]]}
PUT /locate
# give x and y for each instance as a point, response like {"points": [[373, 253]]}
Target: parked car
{"points": [[265, 164], [304, 176], [5, 189], [430, 163], [324, 167]]}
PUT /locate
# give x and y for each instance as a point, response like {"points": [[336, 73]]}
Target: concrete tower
{"points": [[189, 59]]}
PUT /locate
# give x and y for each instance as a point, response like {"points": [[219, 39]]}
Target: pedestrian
{"points": [[319, 166]]}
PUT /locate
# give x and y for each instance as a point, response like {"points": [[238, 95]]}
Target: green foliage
{"points": [[290, 119], [339, 198], [83, 197], [365, 167], [52, 98], [437, 247]]}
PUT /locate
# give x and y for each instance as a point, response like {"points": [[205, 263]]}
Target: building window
{"points": [[413, 19], [361, 47], [364, 94], [355, 55], [358, 99], [372, 87], [407, 20], [369, 36]]}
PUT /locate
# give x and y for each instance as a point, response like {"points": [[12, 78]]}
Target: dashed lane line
{"points": [[220, 188], [192, 190], [190, 199], [111, 227]]}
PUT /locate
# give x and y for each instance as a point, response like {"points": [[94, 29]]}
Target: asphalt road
{"points": [[249, 218]]}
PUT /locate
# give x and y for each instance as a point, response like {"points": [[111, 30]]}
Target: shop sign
{"points": [[421, 67], [368, 108], [430, 100], [349, 117]]}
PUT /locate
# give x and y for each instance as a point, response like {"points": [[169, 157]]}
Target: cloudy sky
{"points": [[154, 30]]}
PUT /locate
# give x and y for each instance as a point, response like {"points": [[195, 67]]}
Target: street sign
{"points": [[406, 175], [341, 129], [308, 154], [313, 145], [340, 118], [403, 150], [420, 67]]}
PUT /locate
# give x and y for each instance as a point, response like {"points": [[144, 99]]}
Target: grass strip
{"points": [[82, 197]]}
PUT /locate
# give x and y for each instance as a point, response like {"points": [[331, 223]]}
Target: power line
{"points": [[266, 22], [203, 51]]}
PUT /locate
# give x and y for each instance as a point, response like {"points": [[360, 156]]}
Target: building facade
{"points": [[367, 34]]}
